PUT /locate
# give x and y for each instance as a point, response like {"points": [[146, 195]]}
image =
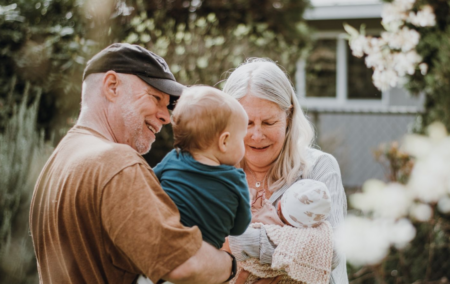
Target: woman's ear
{"points": [[223, 141], [110, 83]]}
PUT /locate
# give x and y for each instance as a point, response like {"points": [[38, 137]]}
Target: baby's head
{"points": [[206, 119], [305, 204]]}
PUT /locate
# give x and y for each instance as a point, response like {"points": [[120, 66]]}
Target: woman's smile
{"points": [[259, 149]]}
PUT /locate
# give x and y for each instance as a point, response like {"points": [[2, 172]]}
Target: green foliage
{"points": [[22, 155], [47, 44], [201, 45], [434, 47]]}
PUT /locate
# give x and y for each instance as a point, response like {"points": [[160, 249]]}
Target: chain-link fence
{"points": [[353, 136]]}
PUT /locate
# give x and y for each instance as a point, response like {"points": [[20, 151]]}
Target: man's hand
{"points": [[243, 275]]}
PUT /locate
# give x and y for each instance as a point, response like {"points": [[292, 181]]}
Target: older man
{"points": [[98, 213]]}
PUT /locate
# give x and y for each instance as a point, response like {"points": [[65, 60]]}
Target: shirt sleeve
{"points": [[253, 243], [142, 225]]}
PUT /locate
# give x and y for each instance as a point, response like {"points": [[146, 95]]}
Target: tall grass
{"points": [[23, 152]]}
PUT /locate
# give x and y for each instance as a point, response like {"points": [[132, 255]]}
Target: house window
{"points": [[320, 69], [332, 77], [359, 79]]}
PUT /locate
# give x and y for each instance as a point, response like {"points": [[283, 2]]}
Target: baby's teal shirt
{"points": [[214, 198]]}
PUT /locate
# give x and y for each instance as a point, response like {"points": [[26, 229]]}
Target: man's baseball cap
{"points": [[134, 59]]}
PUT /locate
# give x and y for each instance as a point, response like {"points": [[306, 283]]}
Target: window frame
{"points": [[341, 98]]}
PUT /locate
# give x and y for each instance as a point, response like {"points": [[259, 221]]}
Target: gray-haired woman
{"points": [[278, 152]]}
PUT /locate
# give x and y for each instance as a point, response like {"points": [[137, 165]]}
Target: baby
{"points": [[200, 175], [306, 203]]}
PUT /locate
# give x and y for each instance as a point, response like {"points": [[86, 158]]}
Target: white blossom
{"points": [[385, 201], [424, 18], [423, 68], [404, 39], [421, 212], [363, 241], [405, 63], [385, 79], [444, 205], [417, 145], [366, 242], [426, 184], [404, 5], [402, 232], [357, 45], [393, 17], [437, 131]]}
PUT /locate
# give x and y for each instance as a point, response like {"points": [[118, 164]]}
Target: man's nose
{"points": [[164, 115]]}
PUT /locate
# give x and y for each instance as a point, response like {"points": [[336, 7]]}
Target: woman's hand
{"points": [[243, 275]]}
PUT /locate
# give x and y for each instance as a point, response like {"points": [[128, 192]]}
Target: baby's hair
{"points": [[200, 115]]}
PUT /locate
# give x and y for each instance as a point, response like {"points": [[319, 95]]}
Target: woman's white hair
{"points": [[262, 78]]}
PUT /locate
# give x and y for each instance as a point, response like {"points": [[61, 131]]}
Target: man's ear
{"points": [[110, 84], [223, 141]]}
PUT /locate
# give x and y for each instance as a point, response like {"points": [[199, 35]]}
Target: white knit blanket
{"points": [[302, 255]]}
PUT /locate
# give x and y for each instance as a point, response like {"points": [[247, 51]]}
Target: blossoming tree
{"points": [[410, 52]]}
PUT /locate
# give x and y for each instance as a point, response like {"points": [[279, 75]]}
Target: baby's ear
{"points": [[223, 141]]}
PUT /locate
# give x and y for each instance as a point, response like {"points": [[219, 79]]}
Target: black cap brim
{"points": [[170, 87]]}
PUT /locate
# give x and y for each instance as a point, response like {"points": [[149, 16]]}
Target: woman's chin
{"points": [[259, 158]]}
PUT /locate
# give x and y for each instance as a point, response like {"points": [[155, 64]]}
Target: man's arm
{"points": [[208, 265]]}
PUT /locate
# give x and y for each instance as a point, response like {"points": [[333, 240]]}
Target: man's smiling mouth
{"points": [[151, 128]]}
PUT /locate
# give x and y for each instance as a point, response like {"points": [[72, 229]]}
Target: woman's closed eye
{"points": [[270, 122]]}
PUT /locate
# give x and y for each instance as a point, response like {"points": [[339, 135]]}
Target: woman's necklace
{"points": [[257, 183]]}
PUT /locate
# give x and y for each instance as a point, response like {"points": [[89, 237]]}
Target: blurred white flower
{"points": [[385, 79], [404, 39], [437, 131], [393, 17], [426, 184], [396, 201], [421, 212], [417, 145], [371, 195], [404, 5], [385, 201], [405, 63], [358, 45], [402, 232], [363, 241], [444, 204], [423, 68], [424, 17]]}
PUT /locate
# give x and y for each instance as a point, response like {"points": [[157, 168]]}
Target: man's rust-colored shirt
{"points": [[99, 215]]}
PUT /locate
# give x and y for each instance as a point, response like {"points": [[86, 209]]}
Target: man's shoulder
{"points": [[93, 150]]}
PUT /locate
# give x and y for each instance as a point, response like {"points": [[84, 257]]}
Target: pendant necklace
{"points": [[258, 183]]}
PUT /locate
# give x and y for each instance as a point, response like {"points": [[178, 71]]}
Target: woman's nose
{"points": [[256, 133]]}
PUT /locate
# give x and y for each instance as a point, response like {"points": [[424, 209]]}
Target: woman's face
{"points": [[266, 131]]}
